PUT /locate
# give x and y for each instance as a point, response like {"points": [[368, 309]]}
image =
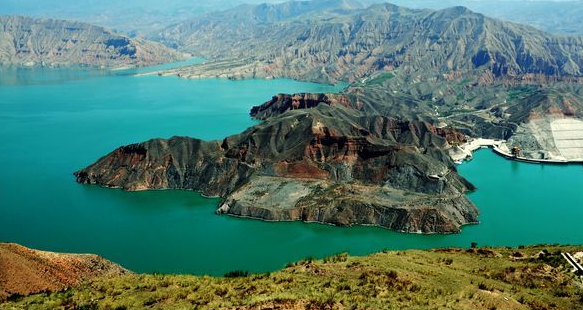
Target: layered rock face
{"points": [[26, 271], [285, 102], [30, 41], [323, 163]]}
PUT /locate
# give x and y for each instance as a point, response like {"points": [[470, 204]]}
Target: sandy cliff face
{"points": [[327, 163], [25, 271]]}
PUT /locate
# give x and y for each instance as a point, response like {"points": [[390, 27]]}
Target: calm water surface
{"points": [[55, 121]]}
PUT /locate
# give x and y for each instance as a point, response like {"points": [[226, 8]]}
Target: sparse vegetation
{"points": [[380, 79], [483, 278], [342, 257], [236, 274]]}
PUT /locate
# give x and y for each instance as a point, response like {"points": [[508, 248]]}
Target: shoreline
{"points": [[349, 226], [509, 156], [465, 152]]}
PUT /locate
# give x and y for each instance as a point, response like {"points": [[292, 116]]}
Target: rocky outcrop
{"points": [[176, 163], [49, 42], [281, 103], [328, 164], [347, 204], [285, 102], [25, 271]]}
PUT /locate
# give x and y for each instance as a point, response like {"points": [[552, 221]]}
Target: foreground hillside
{"points": [[50, 42], [25, 271], [486, 278]]}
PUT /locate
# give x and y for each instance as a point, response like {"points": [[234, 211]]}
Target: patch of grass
{"points": [[379, 80], [342, 257], [520, 92]]}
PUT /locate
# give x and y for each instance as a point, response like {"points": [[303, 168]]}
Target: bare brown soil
{"points": [[25, 271]]}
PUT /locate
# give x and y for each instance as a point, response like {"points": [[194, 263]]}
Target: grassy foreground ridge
{"points": [[534, 277]]}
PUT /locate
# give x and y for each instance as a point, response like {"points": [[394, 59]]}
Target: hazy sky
{"points": [[559, 16], [45, 6]]}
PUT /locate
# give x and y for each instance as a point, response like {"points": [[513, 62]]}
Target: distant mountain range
{"points": [[559, 17], [133, 17], [138, 17], [50, 42], [333, 40]]}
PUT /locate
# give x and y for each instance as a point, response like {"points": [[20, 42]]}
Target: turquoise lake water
{"points": [[55, 121]]}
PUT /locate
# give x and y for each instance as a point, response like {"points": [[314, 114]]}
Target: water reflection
{"points": [[20, 75], [15, 75]]}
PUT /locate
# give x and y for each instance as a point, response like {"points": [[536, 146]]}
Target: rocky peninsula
{"points": [[309, 160]]}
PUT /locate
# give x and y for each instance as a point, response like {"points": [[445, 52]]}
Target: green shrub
{"points": [[236, 274], [342, 257]]}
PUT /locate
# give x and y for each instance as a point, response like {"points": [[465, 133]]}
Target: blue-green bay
{"points": [[55, 121]]}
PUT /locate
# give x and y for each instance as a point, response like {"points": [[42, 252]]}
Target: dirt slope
{"points": [[25, 271]]}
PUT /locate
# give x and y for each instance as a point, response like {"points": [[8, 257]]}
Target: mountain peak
{"points": [[457, 10]]}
